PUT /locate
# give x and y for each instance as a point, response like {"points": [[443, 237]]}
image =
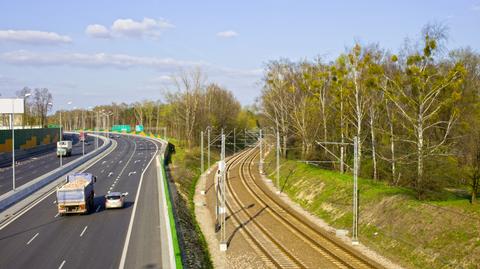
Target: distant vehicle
{"points": [[64, 148], [115, 200], [77, 195], [117, 136]]}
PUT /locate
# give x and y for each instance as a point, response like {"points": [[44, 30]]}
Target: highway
{"points": [[39, 164], [40, 238]]}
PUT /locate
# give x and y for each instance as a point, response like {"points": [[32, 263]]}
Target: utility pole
{"points": [[278, 162], [245, 138], [223, 209], [356, 197], [260, 164], [355, 191], [208, 142], [201, 156]]}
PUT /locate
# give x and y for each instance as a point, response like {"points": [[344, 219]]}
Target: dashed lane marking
{"points": [[84, 229], [61, 265], [30, 241]]}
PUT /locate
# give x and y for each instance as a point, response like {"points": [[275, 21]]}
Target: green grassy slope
{"points": [[416, 234]]}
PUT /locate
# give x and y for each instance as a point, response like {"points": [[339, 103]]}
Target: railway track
{"points": [[285, 238]]}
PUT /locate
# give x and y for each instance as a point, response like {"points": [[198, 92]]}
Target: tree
{"points": [[425, 96], [42, 100], [470, 120], [22, 93]]}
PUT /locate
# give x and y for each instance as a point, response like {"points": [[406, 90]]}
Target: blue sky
{"points": [[98, 52]]}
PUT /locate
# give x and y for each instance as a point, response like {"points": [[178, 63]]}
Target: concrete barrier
{"points": [[12, 197]]}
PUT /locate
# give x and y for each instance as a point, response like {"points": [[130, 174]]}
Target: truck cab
{"points": [[64, 148]]}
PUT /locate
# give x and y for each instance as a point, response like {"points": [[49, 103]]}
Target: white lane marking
{"points": [[110, 174], [98, 208], [134, 172], [132, 217], [104, 162], [84, 229], [102, 171], [54, 201], [30, 241], [120, 161], [57, 215], [61, 265]]}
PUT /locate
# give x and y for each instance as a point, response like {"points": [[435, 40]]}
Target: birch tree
{"points": [[425, 99]]}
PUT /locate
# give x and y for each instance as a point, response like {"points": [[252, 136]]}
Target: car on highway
{"points": [[115, 200], [117, 136]]}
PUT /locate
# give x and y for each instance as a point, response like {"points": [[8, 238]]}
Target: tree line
{"points": [[416, 113], [191, 106]]}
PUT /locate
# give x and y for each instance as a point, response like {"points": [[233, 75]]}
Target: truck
{"points": [[77, 195], [64, 148]]}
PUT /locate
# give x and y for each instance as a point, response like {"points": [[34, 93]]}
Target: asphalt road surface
{"points": [[39, 164], [40, 238]]}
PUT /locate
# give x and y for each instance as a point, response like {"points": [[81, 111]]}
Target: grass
{"points": [[440, 233], [185, 173]]}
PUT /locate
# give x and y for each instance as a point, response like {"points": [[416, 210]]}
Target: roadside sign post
{"points": [[12, 106]]}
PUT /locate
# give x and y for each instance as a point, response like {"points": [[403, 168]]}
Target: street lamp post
{"points": [[83, 133], [12, 118]]}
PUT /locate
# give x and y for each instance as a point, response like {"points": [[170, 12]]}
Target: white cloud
{"points": [[476, 7], [97, 31], [23, 57], [227, 34], [162, 78], [33, 37], [130, 28]]}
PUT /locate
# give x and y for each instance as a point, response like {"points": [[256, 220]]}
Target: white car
{"points": [[115, 200]]}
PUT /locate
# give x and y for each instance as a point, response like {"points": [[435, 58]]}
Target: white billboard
{"points": [[11, 105]]}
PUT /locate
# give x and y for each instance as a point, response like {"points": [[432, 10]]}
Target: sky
{"points": [[97, 52]]}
